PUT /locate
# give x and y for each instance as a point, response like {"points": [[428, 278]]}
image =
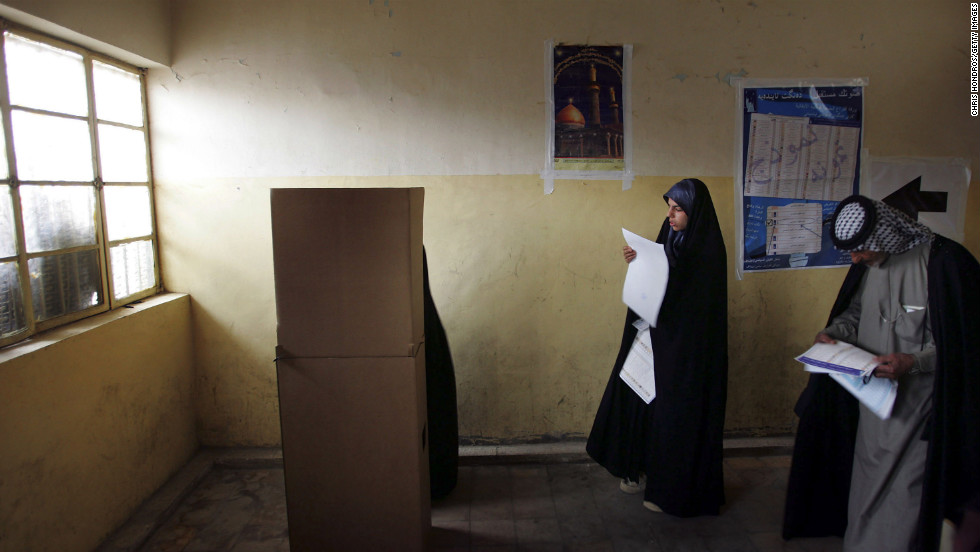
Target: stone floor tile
{"points": [[533, 507], [590, 546], [451, 508], [682, 543], [537, 531], [450, 534], [575, 503], [582, 530], [491, 508], [494, 532], [728, 543], [277, 545], [743, 462], [779, 461], [547, 547], [635, 544]]}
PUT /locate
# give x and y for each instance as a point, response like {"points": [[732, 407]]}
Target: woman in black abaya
{"points": [[676, 440]]}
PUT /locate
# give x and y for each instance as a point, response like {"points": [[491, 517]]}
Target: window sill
{"points": [[68, 331]]}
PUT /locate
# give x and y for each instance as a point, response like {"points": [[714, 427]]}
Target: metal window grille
{"points": [[77, 226]]}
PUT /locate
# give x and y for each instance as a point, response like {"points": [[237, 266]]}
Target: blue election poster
{"points": [[800, 156]]}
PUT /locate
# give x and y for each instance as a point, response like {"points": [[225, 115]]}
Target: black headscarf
{"points": [[702, 222]]}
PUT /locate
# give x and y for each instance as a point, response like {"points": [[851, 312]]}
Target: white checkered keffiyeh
{"points": [[893, 232]]}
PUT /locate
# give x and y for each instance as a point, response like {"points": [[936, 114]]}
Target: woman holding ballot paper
{"points": [[675, 441]]}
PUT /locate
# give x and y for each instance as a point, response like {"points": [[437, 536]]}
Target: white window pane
{"points": [[4, 169], [57, 217], [45, 77], [127, 211], [52, 148], [132, 268], [12, 319], [123, 154], [8, 236], [118, 96], [63, 284]]}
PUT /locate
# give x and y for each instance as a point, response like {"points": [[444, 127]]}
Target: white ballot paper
{"points": [[637, 369], [646, 277], [878, 394], [839, 357], [852, 368]]}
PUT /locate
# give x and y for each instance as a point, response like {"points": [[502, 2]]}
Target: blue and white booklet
{"points": [[838, 357], [878, 394], [852, 368]]}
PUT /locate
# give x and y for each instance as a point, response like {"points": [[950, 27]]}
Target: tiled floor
{"points": [[578, 506], [568, 504], [232, 509]]}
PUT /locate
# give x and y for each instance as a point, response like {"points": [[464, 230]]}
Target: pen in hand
{"points": [[894, 365], [867, 377]]}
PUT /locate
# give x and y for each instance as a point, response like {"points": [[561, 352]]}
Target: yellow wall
{"points": [[93, 419], [449, 95]]}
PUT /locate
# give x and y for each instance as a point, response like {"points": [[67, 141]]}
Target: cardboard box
{"points": [[348, 271], [351, 367], [355, 453]]}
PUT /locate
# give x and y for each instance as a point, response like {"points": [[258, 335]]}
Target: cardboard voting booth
{"points": [[350, 364]]}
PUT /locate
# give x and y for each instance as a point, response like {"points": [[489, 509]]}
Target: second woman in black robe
{"points": [[676, 440]]}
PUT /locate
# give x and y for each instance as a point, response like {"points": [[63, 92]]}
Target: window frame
{"points": [[102, 244]]}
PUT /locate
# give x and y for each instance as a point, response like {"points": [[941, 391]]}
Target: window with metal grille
{"points": [[77, 231]]}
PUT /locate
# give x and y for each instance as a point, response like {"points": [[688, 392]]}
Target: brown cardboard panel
{"points": [[355, 460], [348, 271]]}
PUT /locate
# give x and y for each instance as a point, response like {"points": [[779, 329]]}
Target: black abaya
{"points": [[676, 440], [440, 389]]}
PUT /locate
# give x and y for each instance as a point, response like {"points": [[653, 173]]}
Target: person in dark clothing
{"points": [[912, 293], [440, 392], [676, 440]]}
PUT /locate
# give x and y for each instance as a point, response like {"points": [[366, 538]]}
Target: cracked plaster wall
{"points": [[449, 96]]}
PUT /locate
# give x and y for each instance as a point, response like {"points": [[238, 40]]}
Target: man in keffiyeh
{"points": [[910, 297]]}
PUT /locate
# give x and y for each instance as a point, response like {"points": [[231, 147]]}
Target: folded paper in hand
{"points": [[637, 370], [878, 394], [852, 368], [839, 357]]}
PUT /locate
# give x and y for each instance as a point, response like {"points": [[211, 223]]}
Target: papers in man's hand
{"points": [[637, 369], [646, 277], [852, 368], [838, 357], [878, 394]]}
